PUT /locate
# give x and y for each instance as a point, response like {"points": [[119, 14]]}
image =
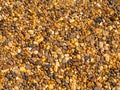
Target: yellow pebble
{"points": [[51, 87], [22, 69]]}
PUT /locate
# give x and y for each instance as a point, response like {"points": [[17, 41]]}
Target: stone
{"points": [[98, 20], [31, 31], [118, 8], [96, 88], [35, 52], [99, 84], [28, 67], [114, 1]]}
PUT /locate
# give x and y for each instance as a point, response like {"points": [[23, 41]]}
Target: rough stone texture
{"points": [[59, 44]]}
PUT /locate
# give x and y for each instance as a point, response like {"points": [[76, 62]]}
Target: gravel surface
{"points": [[59, 44]]}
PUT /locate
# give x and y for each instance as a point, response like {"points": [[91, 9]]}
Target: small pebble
{"points": [[115, 1], [98, 20], [118, 8], [96, 88], [99, 84], [28, 67], [35, 52], [31, 31]]}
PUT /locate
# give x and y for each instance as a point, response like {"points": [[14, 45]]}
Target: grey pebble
{"points": [[118, 8], [28, 67], [96, 88]]}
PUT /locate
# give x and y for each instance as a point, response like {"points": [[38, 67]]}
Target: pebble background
{"points": [[59, 44]]}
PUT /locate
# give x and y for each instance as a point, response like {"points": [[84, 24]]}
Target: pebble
{"points": [[115, 1], [118, 8], [22, 69], [28, 67], [98, 20], [0, 8], [27, 36], [118, 88], [107, 57], [16, 88], [35, 52], [19, 50], [30, 31], [51, 87], [99, 84], [87, 58], [101, 44], [39, 39], [96, 88]]}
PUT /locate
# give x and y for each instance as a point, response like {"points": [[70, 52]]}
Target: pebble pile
{"points": [[59, 44]]}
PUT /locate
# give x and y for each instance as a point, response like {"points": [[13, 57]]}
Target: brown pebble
{"points": [[99, 84]]}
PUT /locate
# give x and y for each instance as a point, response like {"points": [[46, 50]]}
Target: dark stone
{"points": [[13, 74], [86, 57], [14, 26], [108, 41], [98, 20], [48, 73], [75, 51], [32, 61], [15, 7], [53, 76], [38, 14], [99, 63], [34, 84], [48, 66], [8, 76], [19, 55], [112, 19], [36, 27], [111, 71], [70, 62], [112, 84], [96, 44], [66, 84], [25, 77], [30, 45], [5, 43]]}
